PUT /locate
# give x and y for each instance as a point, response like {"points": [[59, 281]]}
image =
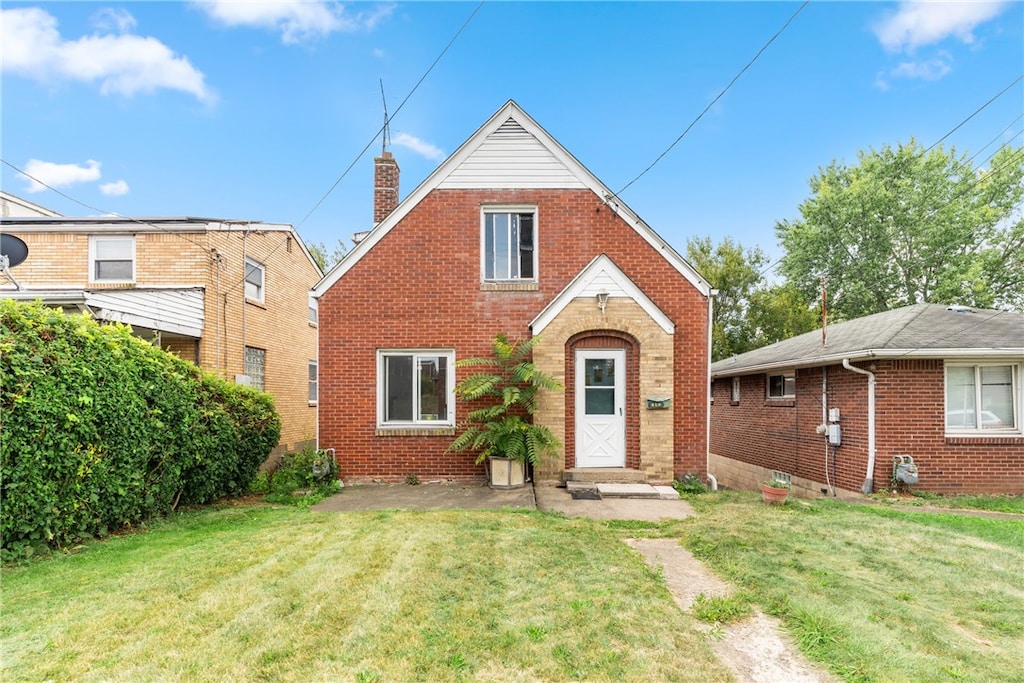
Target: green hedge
{"points": [[100, 430]]}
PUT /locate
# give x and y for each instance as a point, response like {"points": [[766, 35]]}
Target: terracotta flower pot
{"points": [[772, 495]]}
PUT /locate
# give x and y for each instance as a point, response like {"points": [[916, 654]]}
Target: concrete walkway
{"points": [[441, 496]]}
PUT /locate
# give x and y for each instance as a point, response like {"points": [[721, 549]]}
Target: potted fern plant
{"points": [[502, 395]]}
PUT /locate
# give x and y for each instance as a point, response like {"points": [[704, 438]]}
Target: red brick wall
{"points": [[419, 287], [909, 420]]}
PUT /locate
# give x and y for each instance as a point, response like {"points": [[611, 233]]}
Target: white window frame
{"points": [[788, 381], [95, 240], [314, 310], [314, 381], [1016, 393], [257, 294], [507, 209], [734, 390], [416, 422]]}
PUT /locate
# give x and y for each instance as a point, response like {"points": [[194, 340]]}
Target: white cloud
{"points": [[110, 20], [424, 149], [115, 189], [124, 64], [920, 69], [916, 24], [297, 20], [59, 175]]}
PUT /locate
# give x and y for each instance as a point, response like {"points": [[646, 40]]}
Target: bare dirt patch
{"points": [[756, 649]]}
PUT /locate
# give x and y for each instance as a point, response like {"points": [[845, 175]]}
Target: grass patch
{"points": [[1003, 503], [876, 593], [270, 592]]}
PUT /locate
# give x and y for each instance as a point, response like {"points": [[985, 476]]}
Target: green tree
{"points": [[910, 225], [780, 312], [327, 260]]}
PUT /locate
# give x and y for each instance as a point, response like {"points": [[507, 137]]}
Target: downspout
{"points": [[869, 476], [712, 482]]}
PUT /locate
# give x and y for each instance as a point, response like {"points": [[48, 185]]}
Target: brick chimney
{"points": [[385, 186]]}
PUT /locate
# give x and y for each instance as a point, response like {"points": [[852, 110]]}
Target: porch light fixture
{"points": [[602, 300]]}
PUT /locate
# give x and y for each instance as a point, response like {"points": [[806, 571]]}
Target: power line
{"points": [[101, 211], [714, 101], [976, 112], [383, 129], [389, 119]]}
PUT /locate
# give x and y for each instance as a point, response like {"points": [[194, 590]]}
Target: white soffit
{"points": [[601, 275]]}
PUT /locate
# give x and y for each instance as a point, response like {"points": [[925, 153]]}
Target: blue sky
{"points": [[254, 110]]}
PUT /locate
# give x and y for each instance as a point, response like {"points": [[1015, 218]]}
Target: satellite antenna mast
{"points": [[386, 140]]}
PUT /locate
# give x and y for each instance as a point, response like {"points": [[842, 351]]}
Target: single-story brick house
{"points": [[941, 384], [511, 234]]}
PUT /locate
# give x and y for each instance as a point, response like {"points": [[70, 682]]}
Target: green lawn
{"points": [[276, 593]]}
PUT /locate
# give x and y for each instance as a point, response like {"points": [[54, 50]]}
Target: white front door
{"points": [[600, 408]]}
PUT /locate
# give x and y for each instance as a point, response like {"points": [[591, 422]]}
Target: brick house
{"points": [[231, 296], [512, 234], [939, 384]]}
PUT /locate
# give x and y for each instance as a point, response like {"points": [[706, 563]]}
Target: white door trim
{"points": [[601, 438]]}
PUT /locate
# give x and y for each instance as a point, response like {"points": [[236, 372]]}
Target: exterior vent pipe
{"points": [[869, 477]]}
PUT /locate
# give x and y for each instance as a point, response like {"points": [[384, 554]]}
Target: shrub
{"points": [[308, 470], [102, 430]]}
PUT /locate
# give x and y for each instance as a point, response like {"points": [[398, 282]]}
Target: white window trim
{"points": [[263, 286], [93, 239], [314, 310], [1017, 391], [414, 423], [784, 374], [509, 208], [734, 390], [314, 365]]}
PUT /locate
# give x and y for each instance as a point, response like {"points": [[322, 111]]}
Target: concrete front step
{"points": [[604, 475], [585, 490]]}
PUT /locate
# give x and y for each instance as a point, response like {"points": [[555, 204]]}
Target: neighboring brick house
{"points": [[947, 384], [512, 234], [232, 296]]}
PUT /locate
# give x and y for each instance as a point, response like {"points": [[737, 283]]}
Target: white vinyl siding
{"points": [[416, 388], [112, 259], [982, 398]]}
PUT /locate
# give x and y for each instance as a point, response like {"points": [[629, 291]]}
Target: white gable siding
{"points": [[511, 158]]}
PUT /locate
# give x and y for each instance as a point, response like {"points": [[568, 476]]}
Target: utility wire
{"points": [[717, 97], [388, 120], [101, 211], [976, 112], [383, 129]]}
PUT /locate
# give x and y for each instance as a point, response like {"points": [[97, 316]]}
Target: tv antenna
{"points": [[386, 140]]}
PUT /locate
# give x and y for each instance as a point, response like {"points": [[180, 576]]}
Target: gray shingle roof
{"points": [[921, 330]]}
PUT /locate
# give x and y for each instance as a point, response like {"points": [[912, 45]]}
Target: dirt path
{"points": [[755, 650]]}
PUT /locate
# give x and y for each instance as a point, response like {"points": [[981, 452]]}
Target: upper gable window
{"points": [[508, 244], [254, 280], [112, 259]]}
